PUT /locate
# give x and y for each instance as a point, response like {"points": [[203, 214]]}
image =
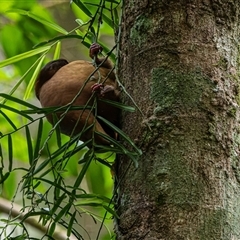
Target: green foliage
{"points": [[47, 168]]}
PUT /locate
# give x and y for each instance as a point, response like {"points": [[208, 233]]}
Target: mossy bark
{"points": [[179, 62]]}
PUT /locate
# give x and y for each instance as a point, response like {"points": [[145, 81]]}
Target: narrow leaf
{"points": [[111, 211], [57, 204], [81, 5], [17, 100], [94, 196], [57, 39], [107, 20], [52, 229], [118, 105], [64, 211], [33, 79], [89, 157], [29, 144], [4, 177], [24, 55], [70, 225], [114, 142], [39, 138], [8, 119], [112, 1], [41, 20], [57, 51], [53, 183], [10, 153], [122, 134]]}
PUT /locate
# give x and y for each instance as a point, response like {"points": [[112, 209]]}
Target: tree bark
{"points": [[179, 60]]}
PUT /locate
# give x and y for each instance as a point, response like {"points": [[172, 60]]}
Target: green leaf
{"points": [[16, 111], [52, 229], [82, 6], [54, 109], [29, 144], [4, 177], [70, 225], [112, 1], [91, 204], [77, 149], [15, 87], [24, 55], [57, 39], [118, 105], [57, 51], [41, 20], [94, 196], [10, 153], [17, 100], [57, 204], [107, 20], [33, 79], [36, 213], [122, 149], [8, 119], [105, 163], [80, 22], [53, 183], [64, 211], [116, 16], [89, 155], [122, 134], [111, 211], [39, 138], [57, 131]]}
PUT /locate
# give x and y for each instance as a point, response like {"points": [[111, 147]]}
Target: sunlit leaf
{"points": [[33, 78], [57, 51], [24, 55], [82, 6], [15, 87], [8, 119]]}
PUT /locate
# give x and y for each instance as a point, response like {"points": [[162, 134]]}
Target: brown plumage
{"points": [[58, 84]]}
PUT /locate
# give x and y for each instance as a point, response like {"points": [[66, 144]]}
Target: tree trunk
{"points": [[179, 62]]}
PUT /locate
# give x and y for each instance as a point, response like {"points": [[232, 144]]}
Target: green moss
{"points": [[171, 88], [212, 225], [140, 31], [238, 92]]}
